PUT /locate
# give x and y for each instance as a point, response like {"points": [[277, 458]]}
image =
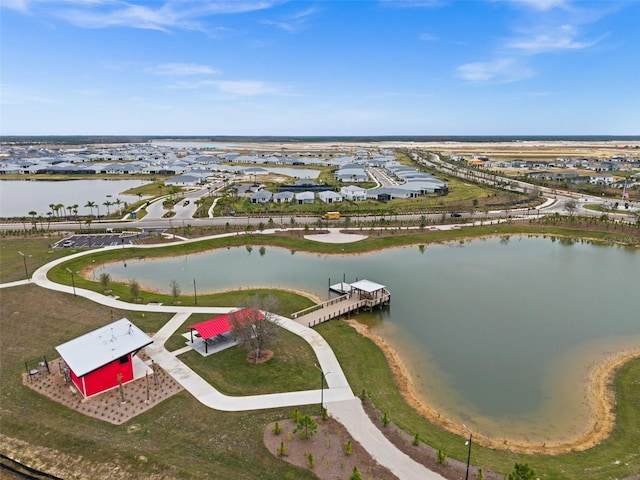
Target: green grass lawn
{"points": [[179, 438], [365, 366], [37, 251], [291, 368]]}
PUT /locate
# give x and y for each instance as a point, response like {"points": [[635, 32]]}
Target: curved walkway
{"points": [[339, 398]]}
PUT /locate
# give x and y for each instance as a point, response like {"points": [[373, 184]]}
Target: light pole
{"points": [[322, 375], [195, 293], [24, 259], [468, 442], [73, 282]]}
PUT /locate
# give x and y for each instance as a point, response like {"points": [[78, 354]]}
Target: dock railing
{"points": [[321, 305]]}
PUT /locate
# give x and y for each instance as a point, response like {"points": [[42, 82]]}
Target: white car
{"points": [[67, 243]]}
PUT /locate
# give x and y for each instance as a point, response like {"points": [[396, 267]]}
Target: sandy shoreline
{"points": [[600, 394]]}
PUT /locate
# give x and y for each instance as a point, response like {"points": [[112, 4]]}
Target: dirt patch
{"points": [[601, 398], [265, 356], [328, 447], [139, 396]]}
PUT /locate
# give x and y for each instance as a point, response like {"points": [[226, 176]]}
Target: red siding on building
{"points": [[78, 382], [105, 377]]}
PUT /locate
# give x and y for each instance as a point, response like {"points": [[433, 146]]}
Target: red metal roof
{"points": [[222, 324]]}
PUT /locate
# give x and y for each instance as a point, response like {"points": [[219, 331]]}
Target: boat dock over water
{"points": [[362, 294]]}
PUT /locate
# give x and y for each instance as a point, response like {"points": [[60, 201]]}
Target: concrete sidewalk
{"points": [[338, 396]]}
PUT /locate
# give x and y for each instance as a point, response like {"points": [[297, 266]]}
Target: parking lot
{"points": [[98, 240]]}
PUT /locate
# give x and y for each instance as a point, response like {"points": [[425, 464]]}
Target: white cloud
{"points": [[412, 3], [241, 88], [294, 22], [181, 69], [502, 70], [245, 88], [12, 96], [164, 16], [19, 5], [562, 38], [427, 37], [543, 4]]}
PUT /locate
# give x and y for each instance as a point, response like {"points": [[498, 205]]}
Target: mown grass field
{"points": [[33, 321], [178, 439]]}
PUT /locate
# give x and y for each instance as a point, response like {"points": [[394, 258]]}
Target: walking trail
{"points": [[341, 403]]}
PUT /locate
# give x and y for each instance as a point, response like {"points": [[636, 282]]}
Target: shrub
{"points": [[310, 460], [416, 440], [348, 449], [441, 457], [385, 420], [282, 450], [277, 429], [355, 474]]}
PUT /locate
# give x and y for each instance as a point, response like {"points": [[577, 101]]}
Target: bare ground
{"points": [[328, 447]]}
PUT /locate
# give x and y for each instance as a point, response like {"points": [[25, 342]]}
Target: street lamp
{"points": [[24, 259], [468, 442], [322, 375], [72, 282], [195, 293]]}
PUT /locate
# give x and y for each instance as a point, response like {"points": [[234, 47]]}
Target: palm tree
{"points": [[33, 214], [70, 208], [91, 205], [49, 215], [118, 201], [59, 207], [107, 204], [52, 206]]}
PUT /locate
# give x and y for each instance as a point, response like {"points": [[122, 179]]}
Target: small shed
{"points": [[99, 360]]}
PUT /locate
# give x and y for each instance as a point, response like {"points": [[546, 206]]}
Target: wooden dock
{"points": [[364, 295]]}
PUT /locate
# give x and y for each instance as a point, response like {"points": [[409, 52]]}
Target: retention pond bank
{"points": [[501, 334]]}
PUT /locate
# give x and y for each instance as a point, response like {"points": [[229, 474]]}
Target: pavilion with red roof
{"points": [[216, 329]]}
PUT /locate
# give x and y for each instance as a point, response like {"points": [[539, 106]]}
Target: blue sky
{"points": [[267, 67]]}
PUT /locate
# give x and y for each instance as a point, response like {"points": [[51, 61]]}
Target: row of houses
{"points": [[351, 193], [576, 178]]}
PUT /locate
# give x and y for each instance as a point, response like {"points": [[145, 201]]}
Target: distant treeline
{"points": [[93, 139]]}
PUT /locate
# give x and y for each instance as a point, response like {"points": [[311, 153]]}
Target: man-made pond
{"points": [[497, 333], [19, 197]]}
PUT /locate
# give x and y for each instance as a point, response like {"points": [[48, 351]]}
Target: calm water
{"points": [[19, 197], [498, 334]]}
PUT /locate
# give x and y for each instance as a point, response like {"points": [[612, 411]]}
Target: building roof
{"points": [[367, 286], [95, 349], [222, 324]]}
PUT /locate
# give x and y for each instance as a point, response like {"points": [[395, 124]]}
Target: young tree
{"points": [[355, 474], [522, 471], [307, 426], [175, 289], [134, 288], [105, 279], [571, 206], [253, 328]]}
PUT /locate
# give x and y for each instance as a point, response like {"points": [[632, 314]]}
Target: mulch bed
{"points": [[107, 406], [452, 469], [328, 447]]}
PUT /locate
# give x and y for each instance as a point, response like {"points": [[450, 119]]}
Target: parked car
{"points": [[186, 202], [455, 214], [67, 243]]}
